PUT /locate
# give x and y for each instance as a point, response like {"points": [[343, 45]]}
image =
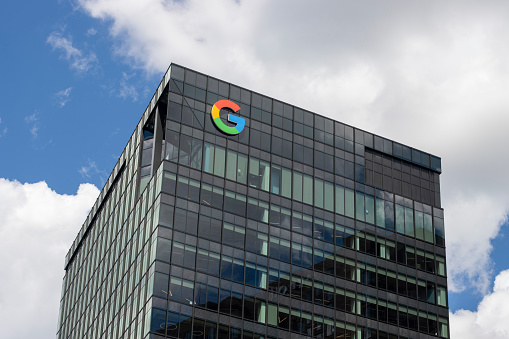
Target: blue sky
{"points": [[77, 75], [59, 103]]}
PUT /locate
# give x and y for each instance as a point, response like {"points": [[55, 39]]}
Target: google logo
{"points": [[239, 122]]}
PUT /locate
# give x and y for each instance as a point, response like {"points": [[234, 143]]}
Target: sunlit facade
{"points": [[298, 226]]}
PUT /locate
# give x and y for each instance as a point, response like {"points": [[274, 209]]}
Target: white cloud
{"points": [[431, 75], [37, 227], [63, 96], [91, 31], [32, 122], [3, 131], [91, 171], [126, 90], [78, 60], [490, 319]]}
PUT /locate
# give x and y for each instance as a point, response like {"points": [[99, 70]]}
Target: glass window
{"points": [[432, 323], [233, 235], [307, 187], [444, 328], [186, 221], [319, 193], [420, 260], [272, 315], [328, 198], [324, 230], [297, 186], [214, 159], [340, 200], [259, 174], [349, 202], [430, 287], [235, 203], [350, 301], [279, 216], [442, 296], [163, 251], [275, 180], [158, 321], [391, 282], [419, 225], [208, 262], [258, 210], [439, 231], [380, 212], [212, 196], [257, 242], [161, 285], [345, 236], [370, 208], [181, 290], [430, 262], [392, 314], [409, 222], [210, 228], [440, 262], [183, 255], [361, 210], [428, 228], [400, 219], [389, 215], [283, 317], [172, 324], [231, 166]]}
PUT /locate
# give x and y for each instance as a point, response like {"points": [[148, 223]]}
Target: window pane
{"points": [[219, 161], [231, 166], [380, 213], [340, 199], [308, 189], [419, 225], [409, 222], [286, 189], [297, 186], [370, 208], [400, 219], [242, 169], [349, 202], [319, 193]]}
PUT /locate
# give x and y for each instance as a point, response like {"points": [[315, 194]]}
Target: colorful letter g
{"points": [[240, 122]]}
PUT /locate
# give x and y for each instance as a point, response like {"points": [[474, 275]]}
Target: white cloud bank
{"points": [[430, 74], [490, 319], [37, 227]]}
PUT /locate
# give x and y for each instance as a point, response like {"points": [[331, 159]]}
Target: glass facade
{"points": [[297, 227]]}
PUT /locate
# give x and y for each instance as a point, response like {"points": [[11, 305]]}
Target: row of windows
{"points": [[283, 116], [376, 207], [208, 258], [254, 308], [181, 325], [324, 157], [235, 235]]}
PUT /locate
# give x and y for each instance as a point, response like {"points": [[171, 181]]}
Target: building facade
{"points": [[298, 226]]}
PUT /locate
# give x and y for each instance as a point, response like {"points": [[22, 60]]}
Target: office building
{"points": [[272, 222]]}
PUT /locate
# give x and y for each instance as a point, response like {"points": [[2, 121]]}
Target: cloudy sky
{"points": [[78, 74]]}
